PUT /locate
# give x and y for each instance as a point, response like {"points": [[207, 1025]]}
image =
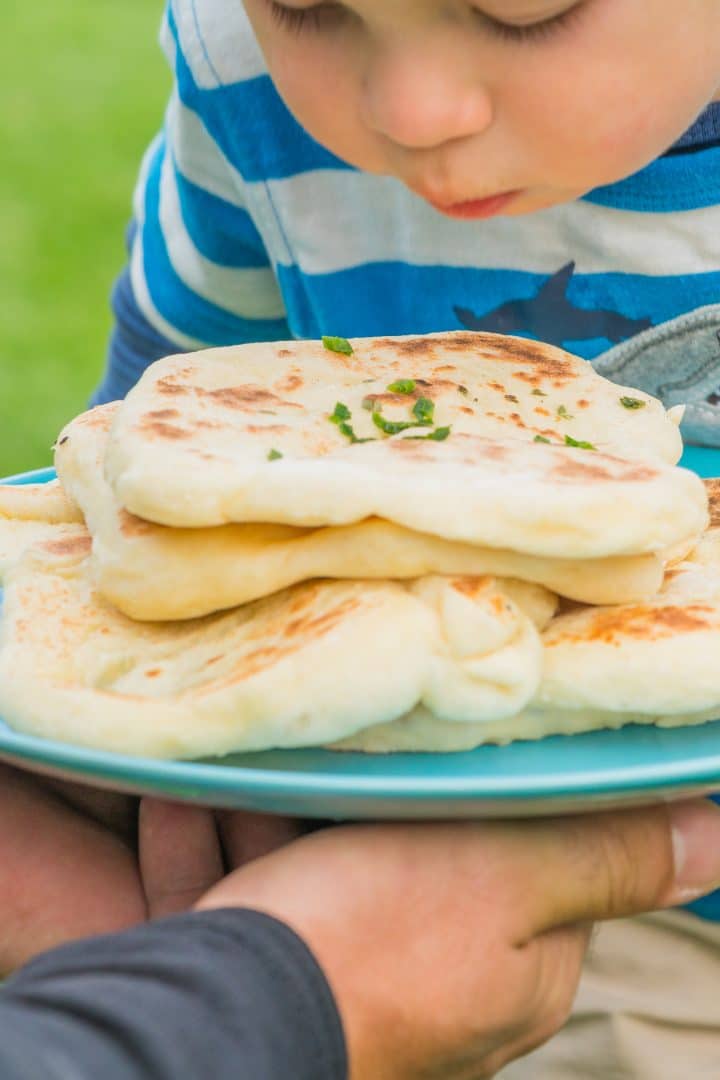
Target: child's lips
{"points": [[478, 208]]}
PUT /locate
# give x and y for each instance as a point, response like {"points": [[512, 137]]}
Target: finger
{"points": [[115, 811], [63, 875], [180, 855], [247, 835], [604, 866]]}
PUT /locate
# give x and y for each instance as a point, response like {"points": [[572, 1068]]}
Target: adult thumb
{"points": [[608, 865]]}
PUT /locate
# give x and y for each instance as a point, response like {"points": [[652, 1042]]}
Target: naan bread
{"points": [[30, 513], [307, 666], [155, 572], [603, 667], [190, 445], [46, 503]]}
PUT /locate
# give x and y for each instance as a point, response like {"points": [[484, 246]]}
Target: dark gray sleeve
{"points": [[212, 995]]}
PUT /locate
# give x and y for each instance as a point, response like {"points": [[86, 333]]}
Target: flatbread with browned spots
{"points": [[306, 666], [33, 512], [604, 667], [247, 434], [154, 572]]}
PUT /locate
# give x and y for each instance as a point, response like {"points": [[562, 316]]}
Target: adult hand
{"points": [[71, 866], [455, 948]]}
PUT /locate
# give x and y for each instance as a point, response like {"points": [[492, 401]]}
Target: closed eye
{"points": [[297, 20], [531, 31]]}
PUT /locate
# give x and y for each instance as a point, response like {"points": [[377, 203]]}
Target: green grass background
{"points": [[83, 85]]}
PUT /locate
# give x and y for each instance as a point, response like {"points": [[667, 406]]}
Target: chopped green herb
{"points": [[423, 410], [368, 403], [540, 438], [273, 455], [538, 393], [402, 386], [563, 414], [341, 412], [632, 403], [440, 434], [341, 417], [337, 344], [347, 430], [391, 427], [463, 390], [579, 443]]}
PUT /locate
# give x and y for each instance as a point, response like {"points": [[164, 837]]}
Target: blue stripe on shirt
{"points": [[354, 302], [238, 116], [224, 233], [175, 301]]}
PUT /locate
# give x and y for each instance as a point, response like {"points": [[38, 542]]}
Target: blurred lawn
{"points": [[83, 85]]}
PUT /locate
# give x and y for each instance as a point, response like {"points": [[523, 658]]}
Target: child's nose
{"points": [[419, 99]]}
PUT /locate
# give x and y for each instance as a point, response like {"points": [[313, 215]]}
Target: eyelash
{"points": [[297, 20], [318, 17], [533, 31]]}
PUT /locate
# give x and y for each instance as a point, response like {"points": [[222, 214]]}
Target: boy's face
{"points": [[494, 106]]}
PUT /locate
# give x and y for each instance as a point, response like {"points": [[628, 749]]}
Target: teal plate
{"points": [[559, 774]]}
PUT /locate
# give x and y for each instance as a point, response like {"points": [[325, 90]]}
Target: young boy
{"points": [[546, 168]]}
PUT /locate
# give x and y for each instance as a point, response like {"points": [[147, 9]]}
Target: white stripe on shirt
{"points": [[376, 219], [249, 293]]}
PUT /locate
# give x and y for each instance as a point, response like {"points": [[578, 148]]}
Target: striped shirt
{"points": [[246, 229]]}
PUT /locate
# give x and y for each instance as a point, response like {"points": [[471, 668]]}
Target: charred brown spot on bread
{"points": [[712, 487], [153, 673], [247, 398], [311, 625], [63, 440], [416, 449], [170, 388], [79, 544], [574, 468], [517, 420], [540, 411], [643, 623], [444, 367], [164, 430], [387, 398], [100, 418], [471, 586], [546, 361], [512, 398], [206, 425], [292, 381], [462, 341], [283, 353], [467, 410], [583, 403], [265, 429], [164, 414], [130, 525], [500, 387], [414, 346], [492, 450], [544, 366]]}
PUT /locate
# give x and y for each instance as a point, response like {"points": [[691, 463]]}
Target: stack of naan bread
{"points": [[419, 543]]}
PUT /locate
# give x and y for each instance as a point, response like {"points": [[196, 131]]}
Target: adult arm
{"points": [[228, 994]]}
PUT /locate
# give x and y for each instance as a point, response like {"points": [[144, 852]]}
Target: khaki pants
{"points": [[648, 1007]]}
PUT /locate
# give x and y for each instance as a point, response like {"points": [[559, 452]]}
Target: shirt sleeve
{"points": [[199, 273], [230, 994]]}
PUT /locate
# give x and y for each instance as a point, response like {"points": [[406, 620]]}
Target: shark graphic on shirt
{"points": [[550, 316]]}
